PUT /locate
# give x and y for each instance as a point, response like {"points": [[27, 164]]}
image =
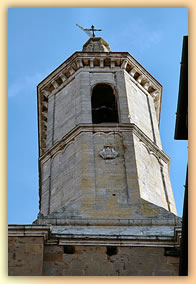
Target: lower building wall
{"points": [[28, 256], [25, 256]]}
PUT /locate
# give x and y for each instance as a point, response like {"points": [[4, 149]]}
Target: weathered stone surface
{"points": [[25, 256], [94, 250], [83, 184], [75, 180], [129, 261], [96, 44]]}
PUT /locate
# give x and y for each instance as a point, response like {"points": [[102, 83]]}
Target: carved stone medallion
{"points": [[108, 152]]}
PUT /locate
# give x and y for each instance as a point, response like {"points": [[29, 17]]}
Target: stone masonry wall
{"points": [[108, 261], [154, 182], [142, 111], [25, 256], [79, 182], [85, 184], [29, 257], [64, 111], [76, 178]]}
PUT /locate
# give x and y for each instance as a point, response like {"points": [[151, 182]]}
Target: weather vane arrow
{"points": [[89, 32]]}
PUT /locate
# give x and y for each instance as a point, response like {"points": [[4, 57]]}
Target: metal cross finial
{"points": [[89, 32], [93, 30]]}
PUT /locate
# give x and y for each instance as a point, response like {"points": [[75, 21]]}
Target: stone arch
{"points": [[106, 134], [156, 157], [61, 150], [62, 175], [104, 104]]}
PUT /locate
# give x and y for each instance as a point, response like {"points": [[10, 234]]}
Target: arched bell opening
{"points": [[104, 105]]}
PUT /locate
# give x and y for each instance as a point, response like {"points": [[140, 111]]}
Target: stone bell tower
{"points": [[99, 142], [106, 202]]}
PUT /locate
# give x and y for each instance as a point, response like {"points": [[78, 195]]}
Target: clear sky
{"points": [[40, 39]]}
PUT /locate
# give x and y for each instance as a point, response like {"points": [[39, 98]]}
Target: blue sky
{"points": [[40, 39]]}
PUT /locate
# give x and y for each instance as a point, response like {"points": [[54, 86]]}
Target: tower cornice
{"points": [[121, 59]]}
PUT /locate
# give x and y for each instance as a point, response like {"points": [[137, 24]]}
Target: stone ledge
{"points": [[29, 231], [59, 145], [122, 242], [175, 221], [158, 236]]}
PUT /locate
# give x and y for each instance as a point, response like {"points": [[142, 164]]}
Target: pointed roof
{"points": [[96, 44]]}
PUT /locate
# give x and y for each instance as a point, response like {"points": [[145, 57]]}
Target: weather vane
{"points": [[89, 32]]}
